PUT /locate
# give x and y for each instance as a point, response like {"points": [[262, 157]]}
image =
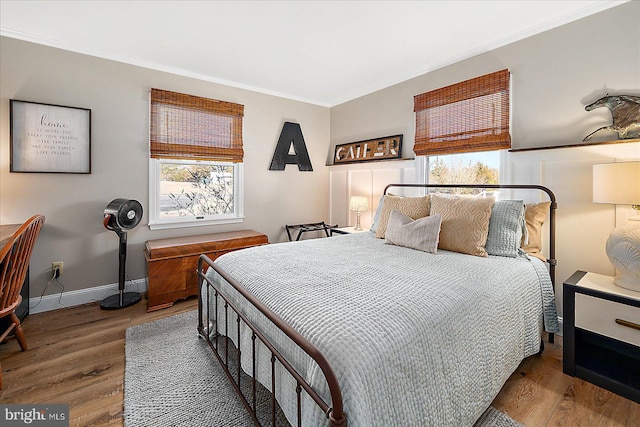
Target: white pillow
{"points": [[421, 234]]}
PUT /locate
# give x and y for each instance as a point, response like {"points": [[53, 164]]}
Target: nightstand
{"points": [[601, 342], [347, 230]]}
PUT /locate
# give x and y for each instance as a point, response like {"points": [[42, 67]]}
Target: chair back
{"points": [[14, 262]]}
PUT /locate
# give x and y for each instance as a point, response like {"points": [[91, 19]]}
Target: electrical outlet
{"points": [[57, 266]]}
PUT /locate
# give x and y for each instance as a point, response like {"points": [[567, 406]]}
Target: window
{"points": [[468, 168], [186, 193], [195, 167], [462, 127], [465, 117]]}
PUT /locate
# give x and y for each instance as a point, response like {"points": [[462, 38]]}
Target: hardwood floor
{"points": [[76, 356]]}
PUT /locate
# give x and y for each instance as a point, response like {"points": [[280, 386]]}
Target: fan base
{"points": [[113, 302]]}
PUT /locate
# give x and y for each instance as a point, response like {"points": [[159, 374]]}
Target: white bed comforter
{"points": [[414, 338]]}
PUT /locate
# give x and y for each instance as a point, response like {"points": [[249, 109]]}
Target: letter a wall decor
{"points": [[291, 135]]}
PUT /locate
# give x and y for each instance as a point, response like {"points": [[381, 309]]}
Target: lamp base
{"points": [[627, 281], [358, 227], [115, 302], [623, 250]]}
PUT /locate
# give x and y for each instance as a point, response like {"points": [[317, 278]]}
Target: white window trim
{"points": [[155, 223]]}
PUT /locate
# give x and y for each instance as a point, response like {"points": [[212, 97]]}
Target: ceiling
{"points": [[322, 52]]}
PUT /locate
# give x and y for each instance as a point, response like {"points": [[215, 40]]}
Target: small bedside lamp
{"points": [[619, 184], [358, 204]]}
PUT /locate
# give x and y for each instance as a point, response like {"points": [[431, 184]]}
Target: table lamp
{"points": [[358, 204], [619, 184]]}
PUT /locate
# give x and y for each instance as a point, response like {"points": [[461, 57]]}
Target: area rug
{"points": [[172, 379]]}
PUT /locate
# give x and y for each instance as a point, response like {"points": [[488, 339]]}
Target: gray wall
{"points": [[554, 75], [117, 95]]}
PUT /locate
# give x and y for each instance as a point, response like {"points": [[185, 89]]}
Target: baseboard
{"points": [[82, 296]]}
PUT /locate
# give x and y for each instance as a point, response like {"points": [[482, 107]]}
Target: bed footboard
{"points": [[333, 410]]}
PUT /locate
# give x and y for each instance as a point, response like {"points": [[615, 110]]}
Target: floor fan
{"points": [[120, 216]]}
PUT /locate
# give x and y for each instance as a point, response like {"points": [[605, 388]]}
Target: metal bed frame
{"points": [[334, 409]]}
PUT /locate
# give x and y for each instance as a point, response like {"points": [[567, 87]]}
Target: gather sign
{"points": [[385, 148]]}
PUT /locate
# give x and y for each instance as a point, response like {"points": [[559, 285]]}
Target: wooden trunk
{"points": [[172, 263]]}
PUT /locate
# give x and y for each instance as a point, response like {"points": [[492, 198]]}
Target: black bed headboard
{"points": [[551, 259]]}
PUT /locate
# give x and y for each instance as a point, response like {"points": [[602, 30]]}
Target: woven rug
{"points": [[172, 379]]}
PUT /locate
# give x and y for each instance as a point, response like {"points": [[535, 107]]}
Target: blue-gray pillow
{"points": [[505, 228], [376, 217]]}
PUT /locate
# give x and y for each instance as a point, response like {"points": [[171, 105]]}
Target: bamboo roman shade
{"points": [[469, 116], [193, 128]]}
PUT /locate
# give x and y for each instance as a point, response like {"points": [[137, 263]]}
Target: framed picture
{"points": [[49, 138], [385, 148]]}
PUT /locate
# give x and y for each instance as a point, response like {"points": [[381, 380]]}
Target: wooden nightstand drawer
{"points": [[599, 315]]}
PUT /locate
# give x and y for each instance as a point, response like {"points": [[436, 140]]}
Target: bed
{"points": [[352, 330]]}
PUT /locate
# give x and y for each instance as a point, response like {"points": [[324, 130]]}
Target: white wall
{"points": [[582, 226], [118, 96], [364, 179], [554, 75]]}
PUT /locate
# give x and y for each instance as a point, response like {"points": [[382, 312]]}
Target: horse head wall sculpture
{"points": [[625, 110]]}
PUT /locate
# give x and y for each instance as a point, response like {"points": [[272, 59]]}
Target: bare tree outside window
{"points": [[196, 190], [470, 168]]}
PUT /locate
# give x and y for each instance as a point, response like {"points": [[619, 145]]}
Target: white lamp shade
{"points": [[617, 183], [359, 204]]}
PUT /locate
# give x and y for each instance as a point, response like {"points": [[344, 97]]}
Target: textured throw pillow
{"points": [[421, 234], [413, 207], [535, 215], [505, 228], [465, 223]]}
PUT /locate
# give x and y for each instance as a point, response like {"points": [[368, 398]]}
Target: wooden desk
{"points": [[22, 311]]}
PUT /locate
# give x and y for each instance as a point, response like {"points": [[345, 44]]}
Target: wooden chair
{"points": [[14, 262]]}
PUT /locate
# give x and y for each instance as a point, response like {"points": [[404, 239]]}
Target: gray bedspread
{"points": [[414, 338]]}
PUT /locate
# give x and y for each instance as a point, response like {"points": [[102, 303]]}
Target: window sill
{"points": [[195, 223]]}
